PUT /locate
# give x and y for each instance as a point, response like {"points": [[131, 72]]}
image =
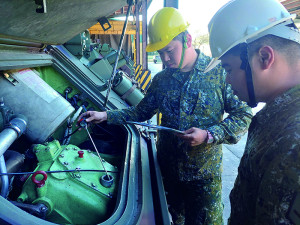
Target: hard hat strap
{"points": [[246, 67], [184, 47]]}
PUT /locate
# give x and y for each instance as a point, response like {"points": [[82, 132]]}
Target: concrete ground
{"points": [[231, 160]]}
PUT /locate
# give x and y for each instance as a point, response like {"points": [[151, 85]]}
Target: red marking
{"points": [[80, 153], [39, 183]]}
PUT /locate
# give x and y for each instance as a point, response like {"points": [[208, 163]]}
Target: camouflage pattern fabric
{"points": [[196, 202], [267, 189], [191, 100]]}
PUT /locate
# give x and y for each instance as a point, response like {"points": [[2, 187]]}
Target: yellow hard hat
{"points": [[164, 25]]}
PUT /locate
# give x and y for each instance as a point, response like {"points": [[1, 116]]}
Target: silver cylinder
{"points": [[27, 94], [15, 128], [4, 178], [7, 137]]}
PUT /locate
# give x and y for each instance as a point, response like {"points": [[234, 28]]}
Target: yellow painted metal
{"points": [[117, 27], [137, 70], [145, 81], [143, 77], [138, 74]]}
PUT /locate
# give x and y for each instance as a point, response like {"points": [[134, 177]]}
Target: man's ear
{"points": [[266, 57], [188, 40]]}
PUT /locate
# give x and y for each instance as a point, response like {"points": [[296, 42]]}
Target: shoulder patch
{"points": [[294, 210]]}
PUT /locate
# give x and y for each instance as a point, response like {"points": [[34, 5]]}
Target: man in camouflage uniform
{"points": [[267, 48], [194, 102]]}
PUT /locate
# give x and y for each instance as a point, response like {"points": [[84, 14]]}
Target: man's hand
{"points": [[194, 136], [94, 116]]}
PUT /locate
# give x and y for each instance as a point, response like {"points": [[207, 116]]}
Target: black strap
{"points": [[246, 66]]}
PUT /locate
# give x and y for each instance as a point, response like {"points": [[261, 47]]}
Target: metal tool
{"points": [[156, 127], [96, 150]]}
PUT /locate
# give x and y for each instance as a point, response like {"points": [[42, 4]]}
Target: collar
{"points": [[200, 65], [278, 104], [202, 61]]}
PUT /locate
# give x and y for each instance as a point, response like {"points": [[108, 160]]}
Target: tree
{"points": [[200, 40]]}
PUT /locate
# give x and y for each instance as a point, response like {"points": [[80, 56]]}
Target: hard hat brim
{"points": [[156, 46], [213, 63], [247, 39]]}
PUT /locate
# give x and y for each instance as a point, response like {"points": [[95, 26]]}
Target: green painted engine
{"points": [[84, 194], [51, 72]]}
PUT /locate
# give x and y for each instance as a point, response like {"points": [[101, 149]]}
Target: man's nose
{"points": [[165, 57]]}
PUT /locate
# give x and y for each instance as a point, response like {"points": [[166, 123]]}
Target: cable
{"points": [[57, 171], [70, 134]]}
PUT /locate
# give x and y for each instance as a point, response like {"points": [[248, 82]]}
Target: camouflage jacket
{"points": [[267, 189], [196, 100]]}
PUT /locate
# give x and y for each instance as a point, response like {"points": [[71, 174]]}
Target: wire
{"points": [[58, 171], [84, 108], [70, 134]]}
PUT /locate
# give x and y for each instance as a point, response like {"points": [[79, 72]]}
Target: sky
{"points": [[196, 12]]}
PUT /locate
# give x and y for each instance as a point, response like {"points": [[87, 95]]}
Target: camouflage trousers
{"points": [[195, 202]]}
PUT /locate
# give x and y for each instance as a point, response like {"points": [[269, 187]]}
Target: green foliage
{"points": [[200, 40]]}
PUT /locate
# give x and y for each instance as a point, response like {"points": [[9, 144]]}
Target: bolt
{"points": [[43, 208], [66, 163], [93, 185], [61, 155], [77, 168]]}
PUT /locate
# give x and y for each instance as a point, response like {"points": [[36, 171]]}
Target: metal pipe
{"points": [[68, 131], [7, 137], [9, 41], [144, 34], [13, 130], [13, 161], [118, 53], [4, 179], [137, 35]]}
